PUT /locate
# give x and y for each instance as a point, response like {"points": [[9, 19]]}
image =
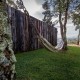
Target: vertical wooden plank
{"points": [[26, 33], [13, 27]]}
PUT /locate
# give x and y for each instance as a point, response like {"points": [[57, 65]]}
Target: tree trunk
{"points": [[63, 25], [63, 35], [65, 41], [63, 31], [78, 37], [78, 40]]}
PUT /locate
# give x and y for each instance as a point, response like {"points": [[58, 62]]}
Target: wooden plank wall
{"points": [[23, 32]]}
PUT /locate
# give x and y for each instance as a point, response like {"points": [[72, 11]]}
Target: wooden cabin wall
{"points": [[24, 35]]}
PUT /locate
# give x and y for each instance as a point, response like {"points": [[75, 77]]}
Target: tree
{"points": [[76, 20], [62, 8], [47, 13], [78, 28]]}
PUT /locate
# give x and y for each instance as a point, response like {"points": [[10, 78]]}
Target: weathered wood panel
{"points": [[24, 35]]}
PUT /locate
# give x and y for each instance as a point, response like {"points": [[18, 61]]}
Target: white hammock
{"points": [[49, 46], [59, 45]]}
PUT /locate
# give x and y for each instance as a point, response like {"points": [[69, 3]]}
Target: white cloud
{"points": [[33, 8]]}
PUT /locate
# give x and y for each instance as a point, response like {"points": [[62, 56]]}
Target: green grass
{"points": [[44, 65]]}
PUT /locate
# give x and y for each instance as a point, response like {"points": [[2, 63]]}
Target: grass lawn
{"points": [[44, 65]]}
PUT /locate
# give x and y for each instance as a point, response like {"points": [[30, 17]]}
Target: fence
{"points": [[23, 32]]}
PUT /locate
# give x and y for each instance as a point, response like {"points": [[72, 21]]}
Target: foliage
{"points": [[11, 2], [76, 17], [76, 20], [47, 13], [60, 5], [5, 35], [20, 4], [3, 19], [44, 65]]}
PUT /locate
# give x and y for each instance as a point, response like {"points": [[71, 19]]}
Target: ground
{"points": [[44, 65]]}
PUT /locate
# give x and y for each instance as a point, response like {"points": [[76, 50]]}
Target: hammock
{"points": [[46, 43], [59, 45], [49, 46]]}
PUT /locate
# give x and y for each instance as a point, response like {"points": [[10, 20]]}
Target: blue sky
{"points": [[34, 8]]}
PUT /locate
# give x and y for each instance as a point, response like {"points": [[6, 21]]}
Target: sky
{"points": [[34, 7]]}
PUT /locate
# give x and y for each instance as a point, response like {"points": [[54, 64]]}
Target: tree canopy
{"points": [[76, 20]]}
